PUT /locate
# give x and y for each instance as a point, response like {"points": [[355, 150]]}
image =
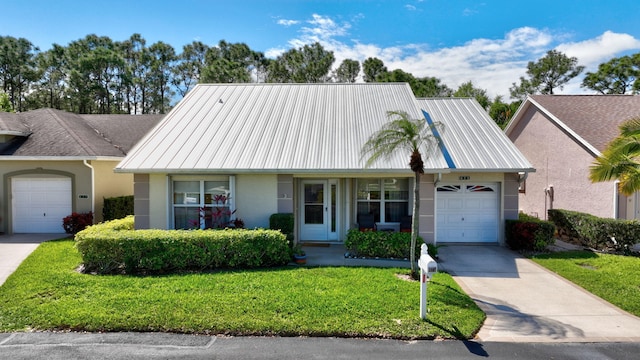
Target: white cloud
{"points": [[285, 22], [491, 64], [324, 28], [595, 51], [410, 7]]}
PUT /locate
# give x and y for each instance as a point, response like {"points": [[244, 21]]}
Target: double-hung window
{"points": [[387, 199], [202, 204]]}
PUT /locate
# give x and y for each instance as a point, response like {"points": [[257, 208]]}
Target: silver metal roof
{"points": [[314, 128], [472, 139], [311, 128]]}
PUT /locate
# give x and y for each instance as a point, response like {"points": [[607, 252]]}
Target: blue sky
{"points": [[487, 42]]}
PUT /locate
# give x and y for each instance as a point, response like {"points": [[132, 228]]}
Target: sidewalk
{"points": [[524, 302], [15, 248]]}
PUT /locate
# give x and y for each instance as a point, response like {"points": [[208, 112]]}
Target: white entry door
{"points": [[319, 210], [39, 204], [467, 213]]}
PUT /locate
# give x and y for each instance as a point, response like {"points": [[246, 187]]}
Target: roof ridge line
{"points": [[72, 133]]}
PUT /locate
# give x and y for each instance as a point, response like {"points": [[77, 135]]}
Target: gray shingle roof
{"points": [[123, 131], [54, 133], [595, 118], [10, 124]]}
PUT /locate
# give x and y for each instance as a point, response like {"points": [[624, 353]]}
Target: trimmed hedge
{"points": [[117, 207], [593, 232], [382, 244], [283, 222], [114, 247], [529, 233]]}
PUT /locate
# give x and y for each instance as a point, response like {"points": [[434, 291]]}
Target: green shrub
{"points": [[594, 232], [114, 247], [382, 244], [529, 233], [117, 207], [283, 222]]}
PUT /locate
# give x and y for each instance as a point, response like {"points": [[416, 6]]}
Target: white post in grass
{"points": [[428, 267]]}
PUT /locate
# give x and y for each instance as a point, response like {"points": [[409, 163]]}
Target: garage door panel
{"points": [[40, 204], [470, 214]]}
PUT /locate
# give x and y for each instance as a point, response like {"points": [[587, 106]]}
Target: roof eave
{"points": [[278, 171], [530, 101], [58, 158]]}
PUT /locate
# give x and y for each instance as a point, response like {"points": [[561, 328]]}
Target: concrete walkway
{"points": [[15, 248], [524, 302]]}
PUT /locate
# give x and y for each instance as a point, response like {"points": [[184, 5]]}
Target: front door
{"points": [[319, 210]]}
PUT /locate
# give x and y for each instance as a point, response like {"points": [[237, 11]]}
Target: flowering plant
{"points": [[217, 216]]}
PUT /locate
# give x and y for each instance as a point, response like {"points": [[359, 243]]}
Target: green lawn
{"points": [[46, 293], [614, 278]]}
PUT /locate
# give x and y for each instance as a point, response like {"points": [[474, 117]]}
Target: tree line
{"points": [[96, 75]]}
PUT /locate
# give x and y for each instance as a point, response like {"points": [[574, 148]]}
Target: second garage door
{"points": [[40, 204], [467, 213]]}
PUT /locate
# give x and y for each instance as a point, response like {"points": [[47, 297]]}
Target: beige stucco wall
{"points": [[259, 196], [256, 199], [109, 184], [562, 163], [79, 173]]}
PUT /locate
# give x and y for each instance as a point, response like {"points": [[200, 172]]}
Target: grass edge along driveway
{"points": [[47, 293], [614, 278]]}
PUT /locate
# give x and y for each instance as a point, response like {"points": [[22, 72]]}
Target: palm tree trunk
{"points": [[414, 222]]}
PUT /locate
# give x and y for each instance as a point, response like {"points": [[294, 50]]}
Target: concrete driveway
{"points": [[15, 248], [524, 302]]}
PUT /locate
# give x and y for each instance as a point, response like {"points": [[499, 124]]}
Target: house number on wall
{"points": [[464, 178]]}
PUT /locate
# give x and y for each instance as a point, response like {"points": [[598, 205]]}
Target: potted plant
{"points": [[299, 256]]}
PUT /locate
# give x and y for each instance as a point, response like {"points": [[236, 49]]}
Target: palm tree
{"points": [[620, 160], [412, 135]]}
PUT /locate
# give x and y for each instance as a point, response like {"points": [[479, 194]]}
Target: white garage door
{"points": [[467, 213], [40, 204]]}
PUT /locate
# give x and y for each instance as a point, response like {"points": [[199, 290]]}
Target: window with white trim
{"points": [[202, 204], [387, 199]]}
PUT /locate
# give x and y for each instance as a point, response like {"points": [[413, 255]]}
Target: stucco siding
{"points": [[427, 208], [511, 196], [141, 201], [562, 163], [285, 193], [159, 201], [109, 184], [256, 199]]}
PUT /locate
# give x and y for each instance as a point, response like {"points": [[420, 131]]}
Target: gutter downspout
{"points": [[438, 179], [523, 178], [616, 211], [93, 187]]}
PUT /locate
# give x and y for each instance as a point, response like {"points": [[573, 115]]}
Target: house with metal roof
{"points": [[54, 163], [562, 135], [254, 150]]}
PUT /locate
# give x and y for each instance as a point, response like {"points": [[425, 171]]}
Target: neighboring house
{"points": [[562, 135], [54, 163], [295, 148]]}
